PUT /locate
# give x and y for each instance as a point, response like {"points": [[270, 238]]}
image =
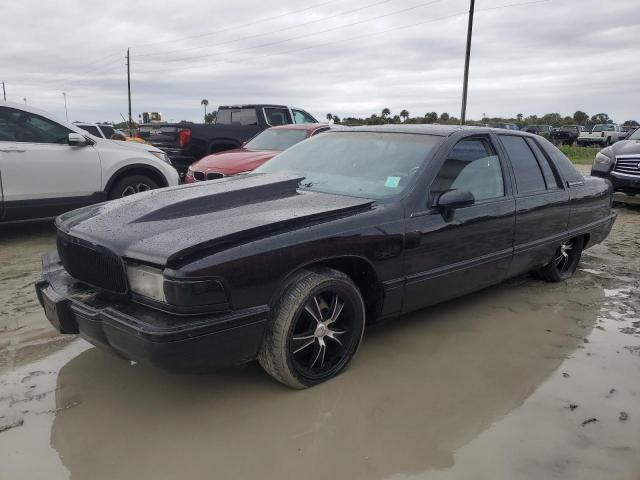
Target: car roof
{"points": [[301, 126], [432, 129], [252, 105]]}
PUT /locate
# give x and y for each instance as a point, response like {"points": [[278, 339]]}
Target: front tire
{"points": [[131, 185], [316, 328], [563, 263]]}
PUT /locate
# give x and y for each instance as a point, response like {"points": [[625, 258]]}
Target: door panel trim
{"points": [[456, 267]]}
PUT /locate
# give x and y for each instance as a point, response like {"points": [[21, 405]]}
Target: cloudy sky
{"points": [[348, 58]]}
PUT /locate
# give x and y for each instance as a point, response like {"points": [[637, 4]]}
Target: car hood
{"points": [[237, 160], [626, 147], [168, 226]]}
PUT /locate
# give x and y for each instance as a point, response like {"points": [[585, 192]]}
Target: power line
{"points": [[279, 42], [290, 27], [247, 24]]}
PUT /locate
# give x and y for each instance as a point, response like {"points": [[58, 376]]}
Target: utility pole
{"points": [[4, 92], [463, 114], [129, 92], [66, 113]]}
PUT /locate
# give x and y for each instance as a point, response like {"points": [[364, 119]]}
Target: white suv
{"points": [[49, 166]]}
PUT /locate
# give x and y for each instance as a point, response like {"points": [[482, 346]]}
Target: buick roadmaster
{"points": [[288, 264]]}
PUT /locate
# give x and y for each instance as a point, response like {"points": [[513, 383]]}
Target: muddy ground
{"points": [[525, 380]]}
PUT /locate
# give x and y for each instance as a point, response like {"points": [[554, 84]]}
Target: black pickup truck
{"points": [[187, 142], [567, 134]]}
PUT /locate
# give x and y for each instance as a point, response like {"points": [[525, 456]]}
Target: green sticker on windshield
{"points": [[392, 182]]}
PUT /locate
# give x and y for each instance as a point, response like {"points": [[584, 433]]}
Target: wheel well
{"points": [[150, 172], [365, 278], [585, 240]]}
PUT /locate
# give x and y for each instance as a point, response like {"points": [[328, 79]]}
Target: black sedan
{"points": [[288, 264]]}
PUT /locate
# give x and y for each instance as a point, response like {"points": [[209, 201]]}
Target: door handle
{"points": [[12, 149]]}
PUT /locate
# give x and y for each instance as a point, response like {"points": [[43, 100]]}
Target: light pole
{"points": [[66, 113], [467, 56]]}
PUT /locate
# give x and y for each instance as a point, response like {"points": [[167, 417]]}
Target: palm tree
{"points": [[404, 114], [385, 112], [204, 103]]}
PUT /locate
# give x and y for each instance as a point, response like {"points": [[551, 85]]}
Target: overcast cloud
{"points": [[347, 58]]}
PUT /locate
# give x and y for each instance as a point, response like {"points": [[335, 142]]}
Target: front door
{"points": [[42, 174], [449, 256]]}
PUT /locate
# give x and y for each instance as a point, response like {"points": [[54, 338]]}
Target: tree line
{"points": [[553, 119]]}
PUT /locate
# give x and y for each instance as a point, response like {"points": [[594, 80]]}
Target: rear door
{"points": [[42, 174], [445, 258], [542, 203]]}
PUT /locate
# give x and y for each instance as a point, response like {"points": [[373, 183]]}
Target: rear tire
{"points": [[563, 263], [131, 185], [316, 328]]}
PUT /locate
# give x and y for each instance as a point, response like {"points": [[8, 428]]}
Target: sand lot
{"points": [[525, 380]]}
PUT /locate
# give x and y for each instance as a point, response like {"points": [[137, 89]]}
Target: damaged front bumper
{"points": [[142, 334]]}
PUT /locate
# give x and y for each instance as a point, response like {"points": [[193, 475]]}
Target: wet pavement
{"points": [[524, 380]]}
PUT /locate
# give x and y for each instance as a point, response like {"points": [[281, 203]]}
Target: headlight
{"points": [[146, 282], [161, 156], [150, 282], [602, 159]]}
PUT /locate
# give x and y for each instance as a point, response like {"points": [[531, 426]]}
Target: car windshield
{"points": [[635, 135], [603, 128], [276, 139], [358, 164], [568, 129]]}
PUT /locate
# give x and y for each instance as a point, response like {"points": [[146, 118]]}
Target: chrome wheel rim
{"points": [[322, 335], [563, 256], [135, 188]]}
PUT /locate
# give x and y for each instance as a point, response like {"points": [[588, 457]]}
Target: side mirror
{"points": [[77, 140], [453, 199]]}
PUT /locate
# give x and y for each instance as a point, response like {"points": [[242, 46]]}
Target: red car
{"points": [[264, 146]]}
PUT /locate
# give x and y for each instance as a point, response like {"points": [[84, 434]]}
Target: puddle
{"points": [[495, 385]]}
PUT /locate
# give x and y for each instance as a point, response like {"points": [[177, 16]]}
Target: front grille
{"points": [[628, 165], [92, 264], [214, 175], [198, 176]]}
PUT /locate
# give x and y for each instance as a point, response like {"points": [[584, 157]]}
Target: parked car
{"points": [[48, 166], [602, 134], [542, 130], [288, 263], [264, 146], [567, 134], [620, 164], [504, 126], [97, 130], [186, 143]]}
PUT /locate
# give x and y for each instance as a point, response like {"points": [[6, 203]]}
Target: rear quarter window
{"points": [[561, 162]]}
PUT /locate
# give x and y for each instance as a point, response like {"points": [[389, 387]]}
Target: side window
{"points": [[244, 116], [550, 177], [277, 116], [471, 165], [92, 129], [302, 117], [107, 130], [9, 127], [526, 169], [25, 127]]}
